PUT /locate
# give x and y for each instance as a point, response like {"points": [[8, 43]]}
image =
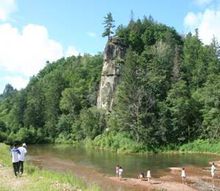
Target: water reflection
{"points": [[105, 161]]}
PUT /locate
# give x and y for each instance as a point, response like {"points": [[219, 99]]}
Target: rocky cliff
{"points": [[112, 63]]}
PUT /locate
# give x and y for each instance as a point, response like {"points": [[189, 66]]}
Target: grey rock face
{"points": [[113, 59]]}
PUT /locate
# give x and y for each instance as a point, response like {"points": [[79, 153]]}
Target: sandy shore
{"points": [[154, 184], [198, 179]]}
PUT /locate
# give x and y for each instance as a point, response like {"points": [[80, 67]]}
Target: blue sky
{"points": [[34, 31]]}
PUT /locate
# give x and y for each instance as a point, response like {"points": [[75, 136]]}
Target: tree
{"points": [[131, 96], [108, 24], [3, 126], [9, 90], [184, 114], [92, 122], [209, 98], [192, 67]]}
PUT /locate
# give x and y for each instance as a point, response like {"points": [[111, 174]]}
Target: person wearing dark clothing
{"points": [[21, 157]]}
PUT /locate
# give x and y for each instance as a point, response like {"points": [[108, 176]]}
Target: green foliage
{"points": [[183, 114], [3, 136], [5, 155], [92, 122], [3, 126], [146, 78], [44, 180], [202, 146], [8, 91], [168, 94], [29, 135], [209, 100], [174, 76], [70, 102], [50, 106], [108, 25], [119, 142]]}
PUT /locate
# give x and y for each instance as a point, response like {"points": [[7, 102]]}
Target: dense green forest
{"points": [[169, 95]]}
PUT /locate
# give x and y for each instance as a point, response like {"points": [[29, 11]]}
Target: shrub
{"points": [[119, 142], [201, 146], [92, 122]]}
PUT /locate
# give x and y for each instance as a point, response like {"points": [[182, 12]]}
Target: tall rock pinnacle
{"points": [[113, 58]]}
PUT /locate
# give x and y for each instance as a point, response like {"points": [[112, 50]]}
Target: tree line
{"points": [[168, 95]]}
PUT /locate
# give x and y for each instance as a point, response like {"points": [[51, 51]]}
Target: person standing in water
{"points": [[21, 157], [141, 176], [120, 171], [148, 175], [213, 169], [117, 171], [15, 159], [183, 175]]}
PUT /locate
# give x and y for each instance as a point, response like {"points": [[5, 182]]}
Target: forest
{"points": [[169, 95]]}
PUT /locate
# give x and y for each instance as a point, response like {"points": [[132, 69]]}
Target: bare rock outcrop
{"points": [[113, 59]]}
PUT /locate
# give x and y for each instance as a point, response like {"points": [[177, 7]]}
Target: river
{"points": [[95, 165]]}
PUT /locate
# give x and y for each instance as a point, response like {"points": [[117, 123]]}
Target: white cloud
{"points": [[71, 51], [202, 2], [207, 22], [26, 51], [6, 8], [17, 82], [91, 34], [192, 19]]}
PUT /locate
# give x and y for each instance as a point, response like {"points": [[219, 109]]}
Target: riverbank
{"points": [[120, 143], [198, 178], [53, 173], [35, 179]]}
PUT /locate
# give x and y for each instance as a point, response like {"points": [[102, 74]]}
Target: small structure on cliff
{"points": [[113, 58]]}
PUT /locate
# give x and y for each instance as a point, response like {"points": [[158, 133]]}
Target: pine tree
{"points": [[108, 24]]}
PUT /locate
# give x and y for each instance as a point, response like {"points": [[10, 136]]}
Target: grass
{"points": [[117, 142], [202, 146], [36, 179], [5, 155], [121, 143]]}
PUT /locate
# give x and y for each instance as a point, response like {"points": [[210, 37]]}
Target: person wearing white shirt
{"points": [[15, 159], [117, 171], [120, 171], [148, 175], [213, 169], [183, 175], [23, 152]]}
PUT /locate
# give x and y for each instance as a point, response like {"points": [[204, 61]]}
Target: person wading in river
{"points": [[21, 157], [148, 175], [120, 171], [141, 176], [213, 169], [183, 175], [117, 171]]}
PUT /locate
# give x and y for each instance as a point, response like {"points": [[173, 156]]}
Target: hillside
{"points": [[168, 95]]}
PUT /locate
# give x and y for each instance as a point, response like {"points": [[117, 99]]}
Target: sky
{"points": [[33, 32]]}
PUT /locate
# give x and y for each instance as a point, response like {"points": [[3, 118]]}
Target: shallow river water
{"points": [[93, 162]]}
